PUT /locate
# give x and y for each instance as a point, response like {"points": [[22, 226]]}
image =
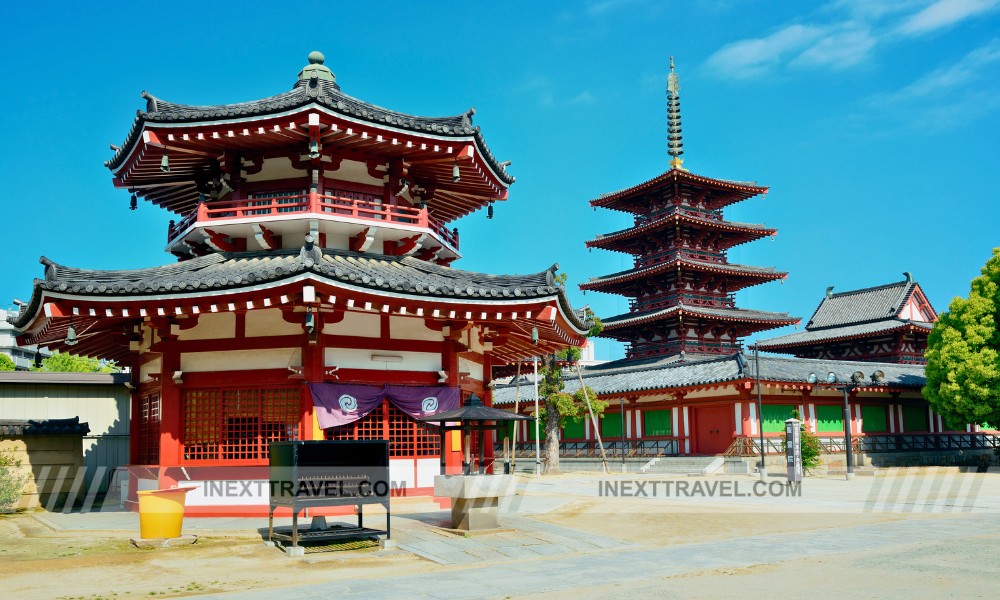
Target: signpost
{"points": [[793, 449]]}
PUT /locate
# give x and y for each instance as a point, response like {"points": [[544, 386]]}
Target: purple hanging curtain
{"points": [[420, 401], [341, 403]]}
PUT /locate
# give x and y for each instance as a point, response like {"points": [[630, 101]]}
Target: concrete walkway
{"points": [[536, 556], [630, 564]]}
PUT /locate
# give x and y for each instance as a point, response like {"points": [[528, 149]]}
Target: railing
{"points": [[668, 300], [356, 205], [701, 213], [589, 448], [648, 260], [652, 350], [874, 443]]}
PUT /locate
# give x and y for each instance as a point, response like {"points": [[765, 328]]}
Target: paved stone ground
{"points": [[538, 557]]}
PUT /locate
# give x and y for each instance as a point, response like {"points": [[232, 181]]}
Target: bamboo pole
{"points": [[593, 421]]}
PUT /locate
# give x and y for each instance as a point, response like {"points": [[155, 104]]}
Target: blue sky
{"points": [[875, 123]]}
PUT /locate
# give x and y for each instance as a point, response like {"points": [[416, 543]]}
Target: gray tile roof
{"points": [[736, 190], [234, 270], [668, 219], [734, 314], [829, 334], [859, 306], [633, 376], [698, 264], [323, 93], [18, 427]]}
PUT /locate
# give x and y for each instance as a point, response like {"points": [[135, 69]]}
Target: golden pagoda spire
{"points": [[675, 143]]}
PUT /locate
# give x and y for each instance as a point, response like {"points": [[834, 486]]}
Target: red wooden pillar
{"points": [[171, 413], [453, 441], [490, 438], [313, 366], [133, 423]]}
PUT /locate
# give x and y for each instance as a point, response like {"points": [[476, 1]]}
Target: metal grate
{"points": [[148, 427], [406, 437], [237, 424]]}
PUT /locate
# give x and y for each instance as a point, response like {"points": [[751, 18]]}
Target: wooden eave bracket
{"points": [[363, 240], [265, 237], [404, 247]]}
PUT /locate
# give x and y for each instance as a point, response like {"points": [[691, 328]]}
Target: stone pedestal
{"points": [[475, 499]]}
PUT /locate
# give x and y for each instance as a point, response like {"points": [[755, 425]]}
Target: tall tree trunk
{"points": [[551, 439]]}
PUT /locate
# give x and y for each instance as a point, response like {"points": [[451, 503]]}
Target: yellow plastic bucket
{"points": [[161, 512]]}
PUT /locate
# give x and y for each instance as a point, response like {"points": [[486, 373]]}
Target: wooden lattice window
{"points": [[406, 437], [148, 427], [237, 424]]}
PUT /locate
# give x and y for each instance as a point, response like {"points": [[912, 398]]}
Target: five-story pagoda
{"points": [[681, 289]]}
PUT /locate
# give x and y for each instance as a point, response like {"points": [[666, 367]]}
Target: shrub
{"points": [[12, 480]]}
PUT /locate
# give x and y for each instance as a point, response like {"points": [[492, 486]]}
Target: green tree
{"points": [[12, 480], [558, 406], [6, 363], [61, 362], [963, 353]]}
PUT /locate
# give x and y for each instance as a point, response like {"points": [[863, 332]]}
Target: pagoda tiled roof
{"points": [[391, 275], [629, 376], [325, 94], [656, 225], [726, 268], [719, 313], [833, 334], [740, 189]]}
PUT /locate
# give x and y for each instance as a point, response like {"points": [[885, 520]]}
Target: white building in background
{"points": [[23, 356]]}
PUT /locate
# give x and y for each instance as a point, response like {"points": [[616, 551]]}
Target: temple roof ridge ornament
{"points": [[317, 70], [675, 142]]}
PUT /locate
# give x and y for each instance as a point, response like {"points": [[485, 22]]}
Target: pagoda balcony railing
{"points": [[649, 260], [364, 207], [655, 349], [701, 213], [668, 300]]}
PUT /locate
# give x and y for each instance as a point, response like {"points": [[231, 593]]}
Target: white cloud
{"points": [[971, 68], [945, 97], [841, 34], [944, 13], [838, 50], [752, 57]]}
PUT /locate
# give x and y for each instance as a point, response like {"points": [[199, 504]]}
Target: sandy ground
{"points": [[967, 568], [38, 563]]}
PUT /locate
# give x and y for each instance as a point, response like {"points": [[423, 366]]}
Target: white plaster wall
{"points": [[240, 360], [211, 326], [427, 468], [412, 328], [349, 358], [474, 370], [356, 323], [269, 322], [152, 366], [276, 168]]}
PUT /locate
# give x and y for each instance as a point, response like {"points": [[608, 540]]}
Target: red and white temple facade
{"points": [[314, 246]]}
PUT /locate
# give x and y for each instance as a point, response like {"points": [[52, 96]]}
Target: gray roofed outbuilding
{"points": [[632, 376]]}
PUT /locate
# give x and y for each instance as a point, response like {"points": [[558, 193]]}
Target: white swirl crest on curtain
{"points": [[429, 404], [348, 403]]}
